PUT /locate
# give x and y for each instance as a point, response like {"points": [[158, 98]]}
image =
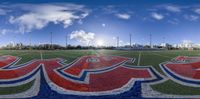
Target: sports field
{"points": [[142, 58]]}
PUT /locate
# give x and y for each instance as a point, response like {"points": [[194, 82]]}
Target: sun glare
{"points": [[99, 43]]}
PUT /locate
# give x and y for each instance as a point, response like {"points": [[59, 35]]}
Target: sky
{"points": [[99, 22]]}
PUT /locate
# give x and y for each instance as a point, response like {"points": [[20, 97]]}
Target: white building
{"points": [[186, 44], [163, 44]]}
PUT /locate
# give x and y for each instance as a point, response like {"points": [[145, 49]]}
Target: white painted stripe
{"points": [[198, 69], [161, 55]]}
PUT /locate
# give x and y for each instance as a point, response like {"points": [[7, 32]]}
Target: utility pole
{"points": [[150, 42], [30, 42], [51, 41], [88, 43], [164, 44], [130, 40], [163, 39], [14, 42]]}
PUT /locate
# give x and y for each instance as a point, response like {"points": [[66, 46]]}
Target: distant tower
{"points": [[150, 41], [118, 41], [130, 39]]}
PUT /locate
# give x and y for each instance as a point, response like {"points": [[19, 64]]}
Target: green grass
{"points": [[16, 89], [177, 89], [67, 55], [153, 58]]}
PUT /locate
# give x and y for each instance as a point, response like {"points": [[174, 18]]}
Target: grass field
{"points": [[143, 58]]}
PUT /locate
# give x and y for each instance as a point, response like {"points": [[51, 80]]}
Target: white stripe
{"points": [[161, 55]]}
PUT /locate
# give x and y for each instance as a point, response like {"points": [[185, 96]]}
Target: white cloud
{"points": [[172, 8], [5, 31], [103, 25], [197, 11], [157, 16], [39, 16], [174, 21], [118, 12], [3, 12], [127, 43], [191, 17], [186, 41], [82, 36], [123, 16]]}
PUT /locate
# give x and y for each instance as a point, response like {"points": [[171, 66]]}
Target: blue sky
{"points": [[99, 22]]}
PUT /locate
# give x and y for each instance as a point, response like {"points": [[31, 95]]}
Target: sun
{"points": [[99, 42]]}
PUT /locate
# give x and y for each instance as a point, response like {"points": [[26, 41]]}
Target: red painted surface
{"points": [[183, 58], [7, 60], [100, 81], [180, 58], [104, 61], [190, 70], [115, 78]]}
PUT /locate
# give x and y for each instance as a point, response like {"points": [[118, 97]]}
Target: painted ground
{"points": [[99, 74]]}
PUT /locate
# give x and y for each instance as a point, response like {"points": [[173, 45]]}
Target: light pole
{"points": [[51, 46], [66, 40], [30, 42], [117, 41], [150, 42], [130, 39]]}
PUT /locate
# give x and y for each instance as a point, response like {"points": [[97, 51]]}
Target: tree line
{"points": [[20, 46]]}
